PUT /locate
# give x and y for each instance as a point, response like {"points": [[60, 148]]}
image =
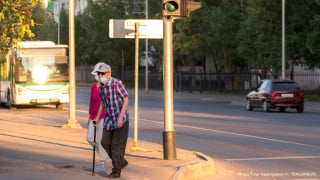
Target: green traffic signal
{"points": [[170, 6], [179, 8]]}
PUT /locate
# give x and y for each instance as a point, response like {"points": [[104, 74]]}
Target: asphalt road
{"points": [[243, 144]]}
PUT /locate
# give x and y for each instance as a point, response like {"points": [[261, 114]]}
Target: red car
{"points": [[280, 94]]}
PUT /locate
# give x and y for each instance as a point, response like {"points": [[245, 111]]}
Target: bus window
{"points": [[4, 66], [21, 74]]}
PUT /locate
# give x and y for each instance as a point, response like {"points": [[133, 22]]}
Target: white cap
{"points": [[96, 67], [104, 68]]}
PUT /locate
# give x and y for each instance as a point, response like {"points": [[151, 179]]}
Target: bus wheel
{"points": [[9, 105], [59, 106]]}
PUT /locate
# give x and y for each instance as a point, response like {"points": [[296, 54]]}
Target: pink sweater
{"points": [[95, 101]]}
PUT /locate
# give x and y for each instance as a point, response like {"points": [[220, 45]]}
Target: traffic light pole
{"points": [[171, 9], [169, 134]]}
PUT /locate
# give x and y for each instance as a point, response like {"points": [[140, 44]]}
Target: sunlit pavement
{"points": [[32, 151]]}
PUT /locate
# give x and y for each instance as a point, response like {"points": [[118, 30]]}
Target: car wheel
{"points": [[266, 107], [300, 109], [282, 109], [249, 106]]}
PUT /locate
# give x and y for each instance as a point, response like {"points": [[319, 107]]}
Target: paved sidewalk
{"points": [[30, 151]]}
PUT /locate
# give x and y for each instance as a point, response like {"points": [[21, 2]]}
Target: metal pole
{"points": [[169, 134], [136, 81], [94, 149], [72, 122], [283, 41], [147, 55], [59, 23]]}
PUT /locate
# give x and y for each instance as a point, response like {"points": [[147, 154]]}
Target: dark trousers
{"points": [[114, 142]]}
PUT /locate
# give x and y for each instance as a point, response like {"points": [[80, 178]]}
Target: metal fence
{"points": [[189, 82], [308, 81]]}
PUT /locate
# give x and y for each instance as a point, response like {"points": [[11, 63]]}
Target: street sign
{"points": [[126, 28]]}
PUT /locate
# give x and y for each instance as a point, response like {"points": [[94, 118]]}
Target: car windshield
{"points": [[285, 86]]}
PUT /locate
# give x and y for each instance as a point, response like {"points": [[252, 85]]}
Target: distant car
{"points": [[280, 94]]}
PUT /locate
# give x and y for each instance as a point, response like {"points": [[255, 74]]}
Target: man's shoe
{"points": [[114, 175], [125, 163]]}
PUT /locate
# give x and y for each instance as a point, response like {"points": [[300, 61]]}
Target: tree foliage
{"points": [[93, 42], [15, 21], [259, 36], [92, 33], [238, 35], [44, 27]]}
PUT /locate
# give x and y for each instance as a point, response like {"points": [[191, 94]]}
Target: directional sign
{"points": [[126, 28]]}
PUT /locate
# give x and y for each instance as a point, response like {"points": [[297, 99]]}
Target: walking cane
{"points": [[94, 148]]}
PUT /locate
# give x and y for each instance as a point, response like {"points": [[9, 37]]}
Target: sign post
{"points": [[136, 85], [136, 29]]}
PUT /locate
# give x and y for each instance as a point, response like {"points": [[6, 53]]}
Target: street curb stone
{"points": [[197, 170]]}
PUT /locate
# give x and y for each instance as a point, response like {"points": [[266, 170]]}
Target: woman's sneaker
{"points": [[100, 167]]}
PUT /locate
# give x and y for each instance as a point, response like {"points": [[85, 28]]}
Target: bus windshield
{"points": [[42, 69]]}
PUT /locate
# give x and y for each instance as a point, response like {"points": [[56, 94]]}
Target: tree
{"points": [[16, 19], [94, 44], [260, 35], [45, 28], [222, 23], [92, 41], [64, 26], [211, 31], [303, 32]]}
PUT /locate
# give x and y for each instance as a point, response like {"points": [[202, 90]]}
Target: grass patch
{"points": [[312, 97]]}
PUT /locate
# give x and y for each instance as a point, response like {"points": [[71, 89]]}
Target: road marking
{"points": [[215, 116], [230, 133], [275, 158], [236, 134]]}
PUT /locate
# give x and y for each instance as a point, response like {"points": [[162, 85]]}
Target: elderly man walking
{"points": [[116, 122]]}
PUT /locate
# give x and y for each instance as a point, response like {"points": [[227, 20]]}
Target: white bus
{"points": [[35, 73]]}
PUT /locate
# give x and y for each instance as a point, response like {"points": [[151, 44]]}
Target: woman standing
{"points": [[95, 101]]}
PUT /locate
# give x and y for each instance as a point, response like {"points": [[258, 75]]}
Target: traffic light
{"points": [[179, 8], [174, 7]]}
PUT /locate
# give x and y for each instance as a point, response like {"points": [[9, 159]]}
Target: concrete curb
{"points": [[197, 170]]}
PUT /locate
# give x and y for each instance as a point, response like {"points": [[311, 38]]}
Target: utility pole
{"points": [[72, 122], [59, 10], [147, 54], [283, 42]]}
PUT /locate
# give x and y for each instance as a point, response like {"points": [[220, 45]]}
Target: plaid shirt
{"points": [[112, 96]]}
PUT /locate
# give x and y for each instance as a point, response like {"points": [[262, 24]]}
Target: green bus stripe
{"points": [[26, 85]]}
